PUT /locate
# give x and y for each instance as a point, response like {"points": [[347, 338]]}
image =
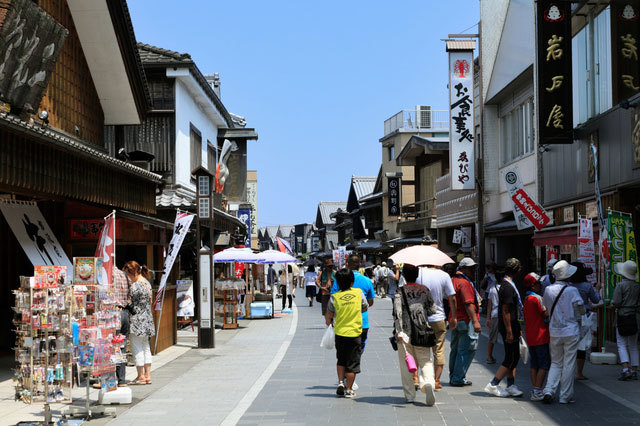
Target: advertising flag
{"points": [[106, 250]]}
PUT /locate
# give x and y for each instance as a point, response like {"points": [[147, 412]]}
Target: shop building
{"points": [[326, 235], [58, 159]]}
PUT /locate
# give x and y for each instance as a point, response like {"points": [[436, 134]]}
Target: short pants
{"points": [[540, 357], [348, 351]]}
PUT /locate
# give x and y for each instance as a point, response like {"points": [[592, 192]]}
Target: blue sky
{"points": [[316, 80]]}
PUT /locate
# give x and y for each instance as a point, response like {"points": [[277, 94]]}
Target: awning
{"points": [[369, 245], [559, 237], [147, 220]]}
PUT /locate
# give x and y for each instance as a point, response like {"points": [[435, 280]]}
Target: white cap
{"points": [[467, 262]]}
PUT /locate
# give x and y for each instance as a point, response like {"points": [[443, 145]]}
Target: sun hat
{"points": [[627, 269], [562, 270], [530, 279], [467, 262]]}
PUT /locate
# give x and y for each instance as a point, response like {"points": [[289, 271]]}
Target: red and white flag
{"points": [[283, 245], [180, 229], [106, 249]]}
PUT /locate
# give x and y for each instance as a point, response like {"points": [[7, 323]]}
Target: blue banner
{"points": [[245, 216]]}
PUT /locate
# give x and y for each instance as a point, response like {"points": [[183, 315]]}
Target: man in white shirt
{"points": [[566, 308], [439, 284], [382, 280], [492, 319]]}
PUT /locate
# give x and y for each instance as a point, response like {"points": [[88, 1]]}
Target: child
{"points": [[537, 332], [345, 309]]}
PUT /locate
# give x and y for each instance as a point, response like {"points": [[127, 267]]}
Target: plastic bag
{"points": [[328, 338], [524, 350]]}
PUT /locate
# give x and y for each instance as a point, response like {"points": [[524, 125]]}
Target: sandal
{"points": [[137, 382]]}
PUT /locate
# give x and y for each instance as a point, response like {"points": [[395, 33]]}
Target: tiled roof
{"points": [[363, 185], [72, 144], [332, 240], [328, 207], [171, 199], [460, 44], [285, 230], [157, 55], [272, 230]]}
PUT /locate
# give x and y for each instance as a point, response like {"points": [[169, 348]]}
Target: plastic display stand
{"points": [[89, 411]]}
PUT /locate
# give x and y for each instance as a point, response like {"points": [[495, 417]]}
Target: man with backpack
{"points": [[412, 305], [382, 280]]}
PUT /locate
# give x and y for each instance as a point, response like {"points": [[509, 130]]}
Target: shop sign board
{"points": [[315, 244], [461, 139], [89, 229], [466, 237], [555, 87], [393, 186], [245, 216], [586, 247], [622, 243], [30, 42], [625, 35], [532, 210], [591, 209], [567, 214], [512, 182], [33, 233], [457, 236], [184, 295]]}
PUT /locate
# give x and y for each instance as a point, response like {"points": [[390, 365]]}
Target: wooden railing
{"points": [[424, 209]]}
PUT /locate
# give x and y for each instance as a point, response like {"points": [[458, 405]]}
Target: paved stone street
{"points": [[302, 390]]}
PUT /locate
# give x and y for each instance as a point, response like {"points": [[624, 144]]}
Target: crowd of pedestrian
{"points": [[551, 322]]}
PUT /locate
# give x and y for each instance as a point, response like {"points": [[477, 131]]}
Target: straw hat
{"points": [[562, 270], [627, 269]]}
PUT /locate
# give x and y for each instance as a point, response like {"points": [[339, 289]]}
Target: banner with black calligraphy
{"points": [[461, 143], [180, 230], [625, 35], [555, 87], [393, 189]]}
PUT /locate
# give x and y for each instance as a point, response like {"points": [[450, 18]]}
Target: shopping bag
{"points": [[328, 338], [524, 351]]}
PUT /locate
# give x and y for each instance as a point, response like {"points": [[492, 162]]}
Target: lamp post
{"points": [[205, 282]]}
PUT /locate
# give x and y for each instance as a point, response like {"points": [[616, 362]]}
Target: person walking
{"points": [[324, 281], [589, 295], [492, 315], [141, 320], [537, 333], [440, 286], [123, 300], [626, 300], [287, 287], [382, 280], [310, 284], [412, 305], [565, 308], [394, 280], [345, 311], [464, 338], [509, 315]]}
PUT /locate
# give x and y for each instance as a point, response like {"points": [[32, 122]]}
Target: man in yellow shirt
{"points": [[345, 310]]}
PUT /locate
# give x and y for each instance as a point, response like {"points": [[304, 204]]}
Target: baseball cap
{"points": [[551, 262], [467, 262], [530, 279]]}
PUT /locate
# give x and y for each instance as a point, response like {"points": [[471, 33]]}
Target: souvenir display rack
{"points": [[44, 347], [227, 307]]}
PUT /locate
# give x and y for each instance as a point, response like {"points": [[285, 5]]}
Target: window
{"points": [[391, 150], [592, 96], [195, 147], [516, 132], [211, 157]]}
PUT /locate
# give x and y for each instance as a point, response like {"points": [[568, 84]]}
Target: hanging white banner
{"points": [[461, 142], [34, 235], [586, 247], [513, 183], [180, 229]]}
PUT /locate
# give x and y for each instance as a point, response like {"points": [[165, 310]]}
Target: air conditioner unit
{"points": [[423, 116]]}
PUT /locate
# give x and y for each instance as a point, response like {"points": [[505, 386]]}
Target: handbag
{"points": [[319, 296], [627, 324], [524, 350]]}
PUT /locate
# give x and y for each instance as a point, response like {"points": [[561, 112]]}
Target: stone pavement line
{"points": [[630, 405], [236, 414]]}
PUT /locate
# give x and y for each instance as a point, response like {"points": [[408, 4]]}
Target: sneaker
{"points": [[536, 396], [431, 396], [633, 376], [625, 375], [340, 389], [568, 401], [467, 382], [513, 390], [355, 386], [496, 390], [409, 401], [349, 394], [547, 398]]}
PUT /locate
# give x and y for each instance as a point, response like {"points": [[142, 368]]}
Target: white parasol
{"points": [[420, 256], [232, 254], [274, 256]]}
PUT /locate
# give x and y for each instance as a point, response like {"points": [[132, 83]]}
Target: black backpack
{"points": [[422, 334]]}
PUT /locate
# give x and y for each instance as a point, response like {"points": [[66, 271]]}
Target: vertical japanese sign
{"points": [[33, 233], [106, 250], [513, 183], [555, 97], [622, 243], [586, 247], [180, 230], [393, 185], [461, 143], [625, 34], [245, 216]]}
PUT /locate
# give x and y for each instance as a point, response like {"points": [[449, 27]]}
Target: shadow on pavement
{"points": [[381, 400], [321, 387]]}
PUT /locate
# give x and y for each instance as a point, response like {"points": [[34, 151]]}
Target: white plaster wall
{"points": [[189, 112], [492, 16]]}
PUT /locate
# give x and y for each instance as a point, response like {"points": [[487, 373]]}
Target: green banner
{"points": [[622, 244]]}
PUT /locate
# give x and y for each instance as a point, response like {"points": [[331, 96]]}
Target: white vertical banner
{"points": [[586, 247], [513, 183], [180, 229], [461, 140]]}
